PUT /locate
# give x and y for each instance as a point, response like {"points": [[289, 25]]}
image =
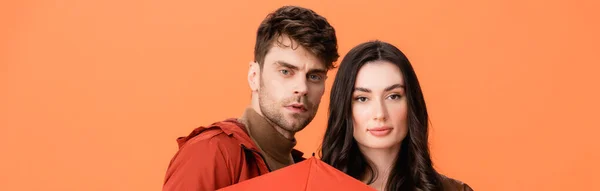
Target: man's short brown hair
{"points": [[303, 26]]}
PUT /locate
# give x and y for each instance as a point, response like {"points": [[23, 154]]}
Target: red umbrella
{"points": [[310, 174]]}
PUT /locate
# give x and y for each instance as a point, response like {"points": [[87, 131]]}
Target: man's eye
{"points": [[284, 72], [315, 77]]}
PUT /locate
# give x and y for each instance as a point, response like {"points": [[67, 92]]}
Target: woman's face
{"points": [[379, 106]]}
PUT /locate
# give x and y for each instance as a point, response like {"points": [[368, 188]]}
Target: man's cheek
{"points": [[319, 91]]}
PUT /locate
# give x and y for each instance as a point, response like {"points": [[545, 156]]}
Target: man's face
{"points": [[292, 82]]}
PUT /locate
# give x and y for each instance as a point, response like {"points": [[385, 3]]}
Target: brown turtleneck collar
{"points": [[275, 148]]}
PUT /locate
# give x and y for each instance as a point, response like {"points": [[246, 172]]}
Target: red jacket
{"points": [[216, 156]]}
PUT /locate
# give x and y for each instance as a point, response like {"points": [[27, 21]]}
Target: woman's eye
{"points": [[395, 96], [361, 99]]}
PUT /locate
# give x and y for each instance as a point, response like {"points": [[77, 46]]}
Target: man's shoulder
{"points": [[218, 135], [212, 138]]}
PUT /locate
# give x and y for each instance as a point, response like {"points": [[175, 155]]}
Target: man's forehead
{"points": [[298, 57]]}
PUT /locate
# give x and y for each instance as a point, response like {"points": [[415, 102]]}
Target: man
{"points": [[295, 47]]}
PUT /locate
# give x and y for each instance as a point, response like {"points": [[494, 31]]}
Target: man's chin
{"points": [[294, 125]]}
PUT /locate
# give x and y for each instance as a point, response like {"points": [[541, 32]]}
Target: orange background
{"points": [[94, 93]]}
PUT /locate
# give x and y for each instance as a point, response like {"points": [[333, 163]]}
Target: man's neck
{"points": [[275, 147], [287, 134]]}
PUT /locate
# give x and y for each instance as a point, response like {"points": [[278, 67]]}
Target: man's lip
{"points": [[382, 128], [297, 106]]}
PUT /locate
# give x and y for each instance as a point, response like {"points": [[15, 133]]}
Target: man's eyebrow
{"points": [[318, 70], [285, 64]]}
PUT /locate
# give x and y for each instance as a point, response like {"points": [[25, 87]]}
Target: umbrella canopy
{"points": [[310, 174]]}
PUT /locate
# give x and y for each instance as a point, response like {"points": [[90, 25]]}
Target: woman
{"points": [[377, 127]]}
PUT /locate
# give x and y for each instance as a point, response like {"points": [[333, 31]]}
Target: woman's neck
{"points": [[382, 161]]}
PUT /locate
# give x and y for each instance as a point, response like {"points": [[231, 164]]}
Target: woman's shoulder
{"points": [[451, 184]]}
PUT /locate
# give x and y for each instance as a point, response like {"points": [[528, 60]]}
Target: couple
{"points": [[377, 126]]}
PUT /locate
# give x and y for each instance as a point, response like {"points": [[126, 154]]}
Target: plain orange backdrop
{"points": [[94, 93]]}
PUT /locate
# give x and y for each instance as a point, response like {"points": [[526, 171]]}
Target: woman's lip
{"points": [[379, 128], [380, 131]]}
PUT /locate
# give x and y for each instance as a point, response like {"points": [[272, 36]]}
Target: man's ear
{"points": [[254, 76]]}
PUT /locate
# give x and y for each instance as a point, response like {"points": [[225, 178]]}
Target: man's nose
{"points": [[301, 88]]}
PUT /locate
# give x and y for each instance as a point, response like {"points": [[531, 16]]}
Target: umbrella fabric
{"points": [[311, 174]]}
